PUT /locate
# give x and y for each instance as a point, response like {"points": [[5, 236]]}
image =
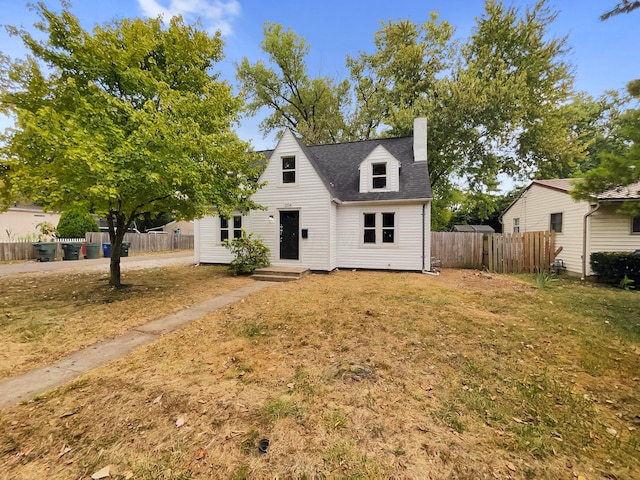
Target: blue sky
{"points": [[605, 55]]}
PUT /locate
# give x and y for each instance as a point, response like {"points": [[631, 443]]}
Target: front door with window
{"points": [[289, 235]]}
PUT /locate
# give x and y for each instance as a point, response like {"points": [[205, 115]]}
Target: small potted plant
{"points": [[46, 246]]}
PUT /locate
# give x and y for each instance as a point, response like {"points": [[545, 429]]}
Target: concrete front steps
{"points": [[280, 274]]}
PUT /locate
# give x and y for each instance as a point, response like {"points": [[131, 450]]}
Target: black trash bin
{"points": [[124, 249], [46, 251], [71, 251]]}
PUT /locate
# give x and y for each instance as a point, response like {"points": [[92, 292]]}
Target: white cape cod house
{"points": [[363, 204]]}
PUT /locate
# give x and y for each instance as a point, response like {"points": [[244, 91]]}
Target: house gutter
{"points": [[584, 239]]}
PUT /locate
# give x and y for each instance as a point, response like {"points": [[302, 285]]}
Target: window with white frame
{"points": [[635, 224], [379, 176], [555, 222], [379, 228], [516, 225], [230, 228], [288, 169]]}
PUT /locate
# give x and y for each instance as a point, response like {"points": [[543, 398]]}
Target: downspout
{"points": [[584, 240], [423, 236]]}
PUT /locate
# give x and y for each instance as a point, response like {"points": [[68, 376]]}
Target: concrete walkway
{"points": [[35, 382]]}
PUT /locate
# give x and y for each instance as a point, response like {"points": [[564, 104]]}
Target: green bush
{"points": [[614, 267], [75, 223], [250, 253]]}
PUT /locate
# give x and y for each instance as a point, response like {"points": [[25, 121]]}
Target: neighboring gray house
{"points": [[581, 227], [360, 204]]}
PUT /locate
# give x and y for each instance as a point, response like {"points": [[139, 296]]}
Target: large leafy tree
{"points": [[619, 167], [124, 121], [494, 102], [313, 108]]}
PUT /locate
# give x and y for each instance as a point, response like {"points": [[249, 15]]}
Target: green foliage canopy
{"points": [[494, 103], [75, 223], [123, 121]]}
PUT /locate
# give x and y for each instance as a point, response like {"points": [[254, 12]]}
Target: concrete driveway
{"points": [[101, 264]]}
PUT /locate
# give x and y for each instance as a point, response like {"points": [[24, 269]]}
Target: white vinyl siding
{"points": [[368, 174], [308, 196], [610, 232], [404, 254], [534, 209]]}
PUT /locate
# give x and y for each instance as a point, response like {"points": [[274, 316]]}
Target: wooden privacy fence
{"points": [[526, 252], [140, 242], [457, 249], [147, 242]]}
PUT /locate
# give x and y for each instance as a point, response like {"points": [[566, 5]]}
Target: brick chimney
{"points": [[420, 139]]}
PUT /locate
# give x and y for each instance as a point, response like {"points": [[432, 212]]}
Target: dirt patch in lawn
{"points": [[359, 375], [47, 315]]}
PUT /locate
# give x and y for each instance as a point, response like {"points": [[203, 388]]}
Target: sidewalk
{"points": [[35, 382], [139, 261]]}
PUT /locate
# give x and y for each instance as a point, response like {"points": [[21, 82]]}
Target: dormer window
{"points": [[379, 175], [288, 169]]}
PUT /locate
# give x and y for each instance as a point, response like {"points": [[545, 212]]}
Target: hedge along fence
{"points": [[611, 267], [140, 242]]}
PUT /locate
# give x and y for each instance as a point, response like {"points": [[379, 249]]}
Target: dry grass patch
{"points": [[360, 375], [45, 316]]}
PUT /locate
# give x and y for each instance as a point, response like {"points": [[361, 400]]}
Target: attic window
{"points": [[379, 175], [288, 169], [635, 224]]}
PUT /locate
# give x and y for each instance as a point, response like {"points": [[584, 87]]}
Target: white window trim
{"points": [[516, 225], [386, 177], [379, 227], [295, 170], [230, 228]]}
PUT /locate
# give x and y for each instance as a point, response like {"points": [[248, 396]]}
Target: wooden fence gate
{"points": [[527, 252]]}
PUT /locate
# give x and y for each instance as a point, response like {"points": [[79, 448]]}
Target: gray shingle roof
{"points": [[337, 164]]}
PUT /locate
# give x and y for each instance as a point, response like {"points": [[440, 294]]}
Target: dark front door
{"points": [[289, 235]]}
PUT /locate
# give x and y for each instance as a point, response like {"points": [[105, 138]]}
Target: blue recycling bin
{"points": [[106, 250]]}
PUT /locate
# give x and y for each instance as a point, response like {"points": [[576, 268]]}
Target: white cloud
{"points": [[213, 14]]}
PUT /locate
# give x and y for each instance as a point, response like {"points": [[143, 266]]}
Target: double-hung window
{"points": [[516, 225], [379, 228], [230, 228], [288, 169], [635, 224], [379, 176], [555, 222]]}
